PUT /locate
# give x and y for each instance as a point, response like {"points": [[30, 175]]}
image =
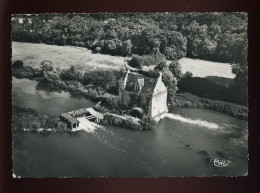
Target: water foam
{"points": [[198, 122], [87, 125]]}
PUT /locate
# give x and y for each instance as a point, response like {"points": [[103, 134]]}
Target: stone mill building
{"points": [[148, 94]]}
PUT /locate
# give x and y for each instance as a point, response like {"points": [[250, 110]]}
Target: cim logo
{"points": [[221, 163]]}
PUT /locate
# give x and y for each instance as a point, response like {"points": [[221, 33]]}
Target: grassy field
{"points": [[64, 56], [203, 68]]}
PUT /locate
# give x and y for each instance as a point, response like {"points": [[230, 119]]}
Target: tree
{"points": [[98, 49], [17, 64], [176, 47], [147, 122], [127, 48], [46, 65], [160, 66], [187, 74], [170, 52], [113, 46], [104, 78], [111, 34], [156, 45], [147, 60], [240, 69], [71, 74], [48, 70], [78, 25], [95, 33], [175, 68], [196, 35], [170, 82]]}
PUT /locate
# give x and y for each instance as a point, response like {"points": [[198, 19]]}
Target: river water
{"points": [[182, 144]]}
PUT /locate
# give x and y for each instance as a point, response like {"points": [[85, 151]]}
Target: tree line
{"points": [[218, 36]]}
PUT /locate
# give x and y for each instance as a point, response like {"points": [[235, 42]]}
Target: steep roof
{"points": [[69, 118], [95, 113], [140, 110], [77, 112], [149, 83]]}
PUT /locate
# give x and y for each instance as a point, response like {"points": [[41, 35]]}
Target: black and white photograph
{"points": [[118, 95]]}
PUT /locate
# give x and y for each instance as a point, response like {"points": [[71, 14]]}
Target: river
{"points": [[182, 144]]}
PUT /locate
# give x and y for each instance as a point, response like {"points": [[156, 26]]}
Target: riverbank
{"points": [[111, 102], [188, 100], [107, 104], [185, 100], [121, 121], [29, 120]]}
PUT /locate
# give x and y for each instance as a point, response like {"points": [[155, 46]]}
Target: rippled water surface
{"points": [[183, 144]]}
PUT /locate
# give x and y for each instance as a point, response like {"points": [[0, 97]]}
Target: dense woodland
{"points": [[218, 36]]}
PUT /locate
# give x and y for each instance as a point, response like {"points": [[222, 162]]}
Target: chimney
{"points": [[140, 81], [160, 76]]}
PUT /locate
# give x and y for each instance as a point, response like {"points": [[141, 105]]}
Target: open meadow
{"points": [[33, 54], [82, 58], [203, 68]]}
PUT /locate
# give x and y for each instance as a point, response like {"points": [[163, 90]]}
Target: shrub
{"points": [[147, 60], [71, 74], [175, 68], [126, 122], [149, 73], [26, 72], [29, 119], [106, 79], [17, 64], [78, 43], [147, 122], [187, 74], [46, 65], [98, 49]]}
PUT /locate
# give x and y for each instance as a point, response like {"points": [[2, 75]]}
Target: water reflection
{"points": [[30, 94]]}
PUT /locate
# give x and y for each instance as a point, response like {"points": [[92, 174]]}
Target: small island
{"points": [[144, 99]]}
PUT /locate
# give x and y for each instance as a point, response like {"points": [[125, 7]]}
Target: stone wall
{"points": [[159, 100]]}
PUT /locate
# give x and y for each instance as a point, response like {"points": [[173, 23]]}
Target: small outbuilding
{"points": [[137, 112], [69, 120]]}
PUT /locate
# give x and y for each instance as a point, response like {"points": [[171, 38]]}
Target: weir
{"points": [[198, 122]]}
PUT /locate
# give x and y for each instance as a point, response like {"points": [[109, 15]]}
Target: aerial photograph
{"points": [[118, 95]]}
